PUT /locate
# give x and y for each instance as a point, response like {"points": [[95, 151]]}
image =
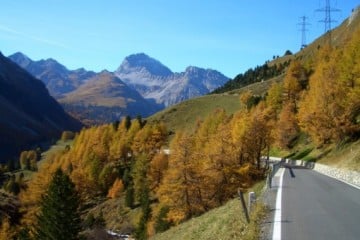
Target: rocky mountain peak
{"points": [[57, 78], [53, 64], [198, 70], [141, 62], [157, 83], [192, 69], [21, 59], [105, 72]]}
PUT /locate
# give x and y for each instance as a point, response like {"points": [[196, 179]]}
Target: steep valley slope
{"points": [[28, 113]]}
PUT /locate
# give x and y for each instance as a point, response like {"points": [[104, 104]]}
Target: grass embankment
{"points": [[225, 222], [346, 156]]}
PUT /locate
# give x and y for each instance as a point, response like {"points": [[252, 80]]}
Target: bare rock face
{"points": [[155, 81]]}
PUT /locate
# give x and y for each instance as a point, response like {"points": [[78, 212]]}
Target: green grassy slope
{"points": [[183, 116]]}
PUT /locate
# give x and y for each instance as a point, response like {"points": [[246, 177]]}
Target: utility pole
{"points": [[303, 30], [328, 20]]}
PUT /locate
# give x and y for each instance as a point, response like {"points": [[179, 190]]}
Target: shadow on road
{"points": [[309, 165], [291, 172]]}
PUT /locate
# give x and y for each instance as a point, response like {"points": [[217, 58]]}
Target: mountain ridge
{"points": [[149, 77], [143, 61], [106, 98], [58, 79], [166, 87], [29, 113], [92, 105]]}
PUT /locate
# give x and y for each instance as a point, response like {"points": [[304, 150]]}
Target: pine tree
{"points": [[141, 231], [59, 217], [162, 224], [129, 196]]}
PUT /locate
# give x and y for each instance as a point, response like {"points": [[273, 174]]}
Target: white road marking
{"points": [[277, 217]]}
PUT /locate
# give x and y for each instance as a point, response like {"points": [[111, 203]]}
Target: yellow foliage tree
{"points": [[30, 198], [330, 108], [219, 180], [178, 190], [287, 126], [274, 98], [252, 135], [158, 166], [116, 189], [295, 81], [6, 232]]}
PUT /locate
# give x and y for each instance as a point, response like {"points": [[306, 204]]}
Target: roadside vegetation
{"points": [[226, 222]]}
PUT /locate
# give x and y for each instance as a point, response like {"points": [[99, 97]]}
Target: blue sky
{"points": [[227, 35]]}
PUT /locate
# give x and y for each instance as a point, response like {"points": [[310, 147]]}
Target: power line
{"points": [[327, 10], [303, 30]]}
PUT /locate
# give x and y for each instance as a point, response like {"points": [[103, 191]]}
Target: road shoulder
{"points": [[269, 198]]}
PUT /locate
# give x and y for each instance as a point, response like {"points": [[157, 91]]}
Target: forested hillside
{"points": [[125, 164], [258, 74]]}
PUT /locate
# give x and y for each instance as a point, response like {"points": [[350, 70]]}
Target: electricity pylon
{"points": [[303, 30], [328, 20]]}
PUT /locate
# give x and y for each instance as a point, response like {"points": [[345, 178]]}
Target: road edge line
{"points": [[277, 217], [350, 184]]}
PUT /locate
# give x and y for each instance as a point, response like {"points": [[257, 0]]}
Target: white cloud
{"points": [[34, 38]]}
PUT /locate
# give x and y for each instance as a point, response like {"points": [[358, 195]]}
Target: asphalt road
{"points": [[315, 206]]}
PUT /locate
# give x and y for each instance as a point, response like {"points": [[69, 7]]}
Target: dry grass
{"points": [[116, 215], [226, 222], [347, 157]]}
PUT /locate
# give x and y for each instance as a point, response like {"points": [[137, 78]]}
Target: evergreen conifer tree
{"points": [[161, 223], [59, 217], [129, 196]]}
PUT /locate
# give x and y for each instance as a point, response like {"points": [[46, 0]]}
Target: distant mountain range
{"points": [[28, 113], [104, 97], [155, 81], [140, 86], [57, 78]]}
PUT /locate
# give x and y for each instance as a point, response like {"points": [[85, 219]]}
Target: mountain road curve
{"points": [[315, 206]]}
